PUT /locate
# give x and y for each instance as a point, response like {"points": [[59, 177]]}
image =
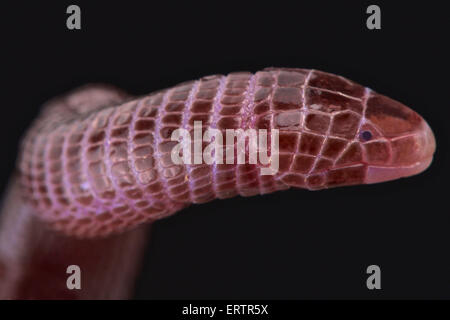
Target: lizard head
{"points": [[396, 140], [349, 134]]}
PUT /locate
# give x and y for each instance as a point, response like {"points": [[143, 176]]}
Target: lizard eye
{"points": [[365, 135]]}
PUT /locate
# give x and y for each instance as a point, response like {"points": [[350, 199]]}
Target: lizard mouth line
{"points": [[383, 173]]}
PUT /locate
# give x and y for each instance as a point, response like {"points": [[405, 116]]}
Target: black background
{"points": [[286, 245]]}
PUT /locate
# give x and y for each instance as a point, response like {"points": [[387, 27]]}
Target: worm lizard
{"points": [[95, 168]]}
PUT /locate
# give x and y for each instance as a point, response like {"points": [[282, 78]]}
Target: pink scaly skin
{"points": [[98, 162]]}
